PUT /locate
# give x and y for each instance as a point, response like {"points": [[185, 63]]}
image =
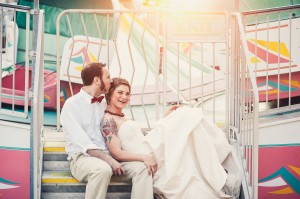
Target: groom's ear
{"points": [[97, 80]]}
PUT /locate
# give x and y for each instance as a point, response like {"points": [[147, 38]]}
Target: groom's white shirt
{"points": [[81, 124]]}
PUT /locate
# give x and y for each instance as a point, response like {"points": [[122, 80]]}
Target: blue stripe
{"points": [[276, 85], [15, 148], [278, 145], [77, 60], [2, 180]]}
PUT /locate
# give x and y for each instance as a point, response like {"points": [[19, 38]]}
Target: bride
{"points": [[184, 152]]}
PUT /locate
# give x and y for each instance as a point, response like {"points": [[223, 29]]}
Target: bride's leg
{"points": [[142, 183], [208, 157], [218, 138]]}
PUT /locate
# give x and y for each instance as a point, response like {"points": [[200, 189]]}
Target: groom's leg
{"points": [[95, 172]]}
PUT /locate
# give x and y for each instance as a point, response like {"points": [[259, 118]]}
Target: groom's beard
{"points": [[102, 87]]}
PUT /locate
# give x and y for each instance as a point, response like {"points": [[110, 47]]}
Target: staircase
{"points": [[57, 180]]}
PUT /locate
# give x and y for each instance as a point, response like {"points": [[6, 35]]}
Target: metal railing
{"points": [[20, 84], [244, 103], [163, 66], [263, 72], [196, 60], [272, 37], [38, 111], [111, 32], [14, 91]]}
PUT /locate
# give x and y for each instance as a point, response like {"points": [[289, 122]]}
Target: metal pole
{"points": [[33, 144]]}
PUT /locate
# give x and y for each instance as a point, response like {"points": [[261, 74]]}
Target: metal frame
{"points": [[246, 103], [14, 9], [118, 14]]}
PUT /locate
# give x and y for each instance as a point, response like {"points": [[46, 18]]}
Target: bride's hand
{"points": [[151, 164], [171, 109], [117, 168]]}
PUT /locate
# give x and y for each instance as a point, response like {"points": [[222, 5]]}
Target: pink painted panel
{"points": [[14, 174], [279, 172], [264, 55]]}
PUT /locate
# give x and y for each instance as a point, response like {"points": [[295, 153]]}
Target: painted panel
{"points": [[14, 174], [279, 172], [279, 158], [15, 161]]}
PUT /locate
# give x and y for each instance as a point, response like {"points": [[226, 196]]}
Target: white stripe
{"points": [[6, 186], [273, 183]]}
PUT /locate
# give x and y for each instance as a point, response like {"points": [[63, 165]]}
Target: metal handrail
{"points": [[38, 113], [14, 7], [256, 102], [270, 10]]}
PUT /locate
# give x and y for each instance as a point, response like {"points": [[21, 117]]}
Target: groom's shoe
{"points": [[226, 191], [229, 184]]}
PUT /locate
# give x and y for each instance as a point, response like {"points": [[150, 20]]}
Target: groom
{"points": [[90, 160]]}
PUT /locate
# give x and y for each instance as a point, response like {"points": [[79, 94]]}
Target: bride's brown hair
{"points": [[116, 82]]}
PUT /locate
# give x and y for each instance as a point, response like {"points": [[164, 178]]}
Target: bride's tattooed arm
{"points": [[110, 133], [109, 128]]}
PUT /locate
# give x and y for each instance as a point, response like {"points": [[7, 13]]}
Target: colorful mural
{"points": [[78, 52], [279, 172], [273, 49], [279, 86]]}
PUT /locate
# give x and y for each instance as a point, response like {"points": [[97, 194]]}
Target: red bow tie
{"points": [[97, 99]]}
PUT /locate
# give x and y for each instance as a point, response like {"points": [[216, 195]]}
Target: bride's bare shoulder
{"points": [[112, 121]]}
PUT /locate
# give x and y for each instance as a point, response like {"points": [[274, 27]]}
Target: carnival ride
{"points": [[270, 58], [196, 76]]}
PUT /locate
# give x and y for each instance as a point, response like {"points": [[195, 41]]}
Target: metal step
{"points": [[63, 182], [56, 165], [81, 195], [55, 156], [57, 180]]}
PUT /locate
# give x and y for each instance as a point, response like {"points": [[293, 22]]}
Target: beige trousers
{"points": [[97, 174]]}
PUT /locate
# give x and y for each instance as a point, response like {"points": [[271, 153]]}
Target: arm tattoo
{"points": [[109, 128]]}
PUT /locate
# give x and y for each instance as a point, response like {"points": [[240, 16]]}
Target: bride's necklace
{"points": [[116, 114]]}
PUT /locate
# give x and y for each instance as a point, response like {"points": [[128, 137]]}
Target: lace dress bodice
{"points": [[131, 137]]}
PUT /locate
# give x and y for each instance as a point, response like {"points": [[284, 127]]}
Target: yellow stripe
{"points": [[54, 149], [293, 83], [59, 180], [93, 58], [220, 124], [297, 170], [283, 191], [271, 91], [274, 46], [78, 68], [254, 60]]}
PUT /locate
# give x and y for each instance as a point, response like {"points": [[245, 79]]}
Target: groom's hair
{"points": [[115, 83], [90, 71]]}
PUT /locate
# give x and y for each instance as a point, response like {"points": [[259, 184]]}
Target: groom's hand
{"points": [[114, 164]]}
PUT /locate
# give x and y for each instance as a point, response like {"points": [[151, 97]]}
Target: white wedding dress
{"points": [[189, 151]]}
